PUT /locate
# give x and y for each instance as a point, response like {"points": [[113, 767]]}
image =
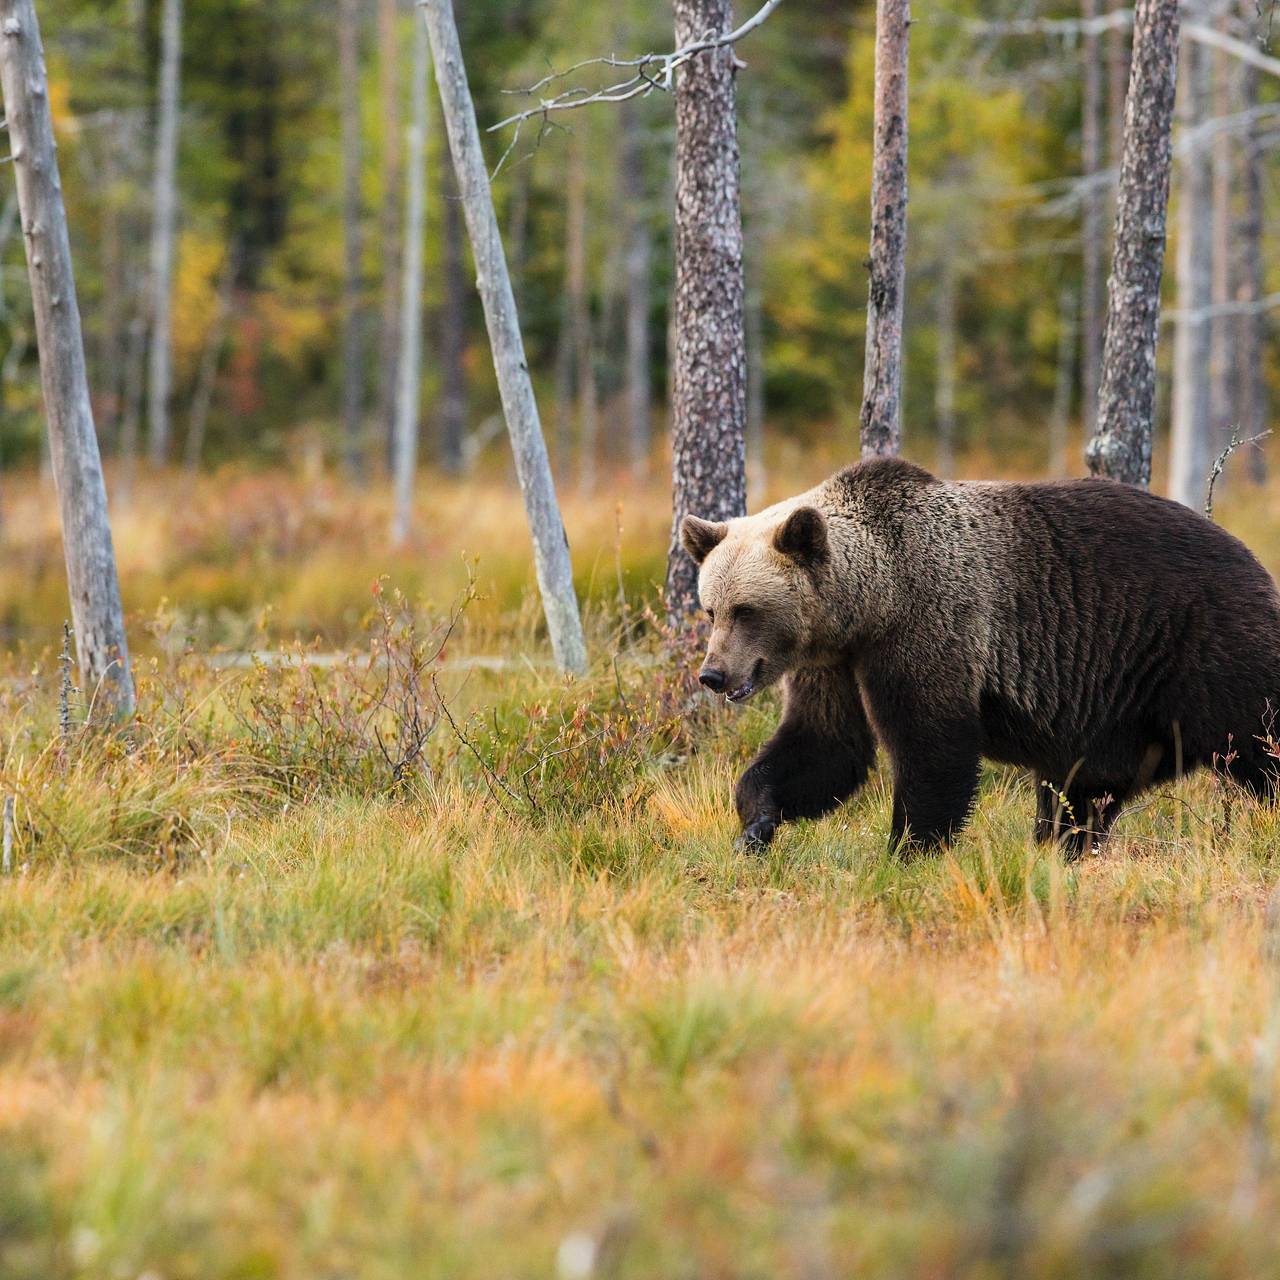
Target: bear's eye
{"points": [[744, 613], [711, 615]]}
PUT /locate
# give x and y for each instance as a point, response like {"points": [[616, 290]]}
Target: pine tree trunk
{"points": [[352, 291], [1190, 446], [409, 363], [1062, 386], [1091, 299], [164, 215], [1121, 446], [1117, 82], [92, 583], [453, 330], [551, 547], [638, 270], [708, 465], [1252, 330], [392, 197], [944, 393], [1222, 404], [881, 416]]}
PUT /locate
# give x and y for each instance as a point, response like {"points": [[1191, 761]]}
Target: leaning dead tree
{"points": [[709, 401], [1121, 446], [164, 218], [881, 416], [533, 469], [73, 444]]}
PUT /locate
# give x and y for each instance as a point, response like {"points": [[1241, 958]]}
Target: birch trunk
{"points": [[164, 218], [944, 399], [638, 270], [708, 464], [453, 330], [1251, 340], [1190, 447], [392, 196], [881, 415], [92, 583], [1121, 446], [352, 337], [550, 546], [1091, 302], [409, 364]]}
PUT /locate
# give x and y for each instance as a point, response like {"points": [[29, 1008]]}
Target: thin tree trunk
{"points": [[1190, 446], [211, 358], [881, 416], [708, 463], [1091, 302], [638, 270], [392, 196], [1117, 81], [93, 586], [409, 393], [164, 218], [1121, 446], [352, 336], [1222, 329], [1251, 339], [944, 399], [453, 330], [1062, 385], [551, 547]]}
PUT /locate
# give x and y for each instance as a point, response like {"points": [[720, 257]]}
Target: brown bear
{"points": [[1101, 636]]}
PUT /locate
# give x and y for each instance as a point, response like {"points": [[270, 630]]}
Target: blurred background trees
{"points": [[1013, 120]]}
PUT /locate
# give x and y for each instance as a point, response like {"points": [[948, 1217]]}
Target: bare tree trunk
{"points": [[1117, 80], [164, 218], [392, 195], [639, 255], [352, 291], [1222, 328], [207, 377], [1062, 385], [1190, 447], [453, 330], [708, 463], [410, 361], [1121, 446], [881, 416], [1251, 338], [944, 397], [550, 546], [92, 583], [1091, 303]]}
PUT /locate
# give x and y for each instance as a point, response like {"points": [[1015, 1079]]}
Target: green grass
{"points": [[270, 1008]]}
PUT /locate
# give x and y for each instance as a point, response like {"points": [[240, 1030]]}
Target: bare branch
{"points": [[1229, 44], [1253, 308], [1221, 461], [649, 72]]}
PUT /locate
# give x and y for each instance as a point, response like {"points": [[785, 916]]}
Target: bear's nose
{"points": [[713, 679]]}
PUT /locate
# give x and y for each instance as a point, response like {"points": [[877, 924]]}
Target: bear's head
{"points": [[760, 581]]}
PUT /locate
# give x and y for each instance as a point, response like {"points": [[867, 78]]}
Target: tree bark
{"points": [[1120, 448], [708, 462], [453, 330], [409, 364], [638, 271], [92, 583], [1091, 301], [1190, 447], [1251, 336], [551, 547], [1062, 385], [352, 291], [1222, 404], [881, 415], [164, 218], [1117, 80], [392, 196], [944, 391]]}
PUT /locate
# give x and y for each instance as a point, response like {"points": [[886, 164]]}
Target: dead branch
{"points": [[1221, 461]]}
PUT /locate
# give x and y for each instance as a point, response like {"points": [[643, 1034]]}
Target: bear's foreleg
{"points": [[819, 756]]}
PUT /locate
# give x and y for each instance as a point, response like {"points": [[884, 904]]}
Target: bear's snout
{"points": [[712, 678]]}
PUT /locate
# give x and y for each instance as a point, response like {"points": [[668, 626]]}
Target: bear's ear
{"points": [[803, 535], [701, 537]]}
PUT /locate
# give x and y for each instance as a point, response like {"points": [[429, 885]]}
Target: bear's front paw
{"points": [[756, 836]]}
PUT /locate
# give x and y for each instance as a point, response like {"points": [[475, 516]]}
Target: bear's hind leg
{"points": [[819, 756], [1079, 818]]}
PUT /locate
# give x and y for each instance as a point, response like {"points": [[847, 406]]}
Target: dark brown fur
{"points": [[1096, 634]]}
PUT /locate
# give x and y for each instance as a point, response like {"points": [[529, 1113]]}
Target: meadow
{"points": [[373, 947]]}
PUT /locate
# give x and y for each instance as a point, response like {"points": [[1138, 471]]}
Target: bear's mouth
{"points": [[746, 688]]}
